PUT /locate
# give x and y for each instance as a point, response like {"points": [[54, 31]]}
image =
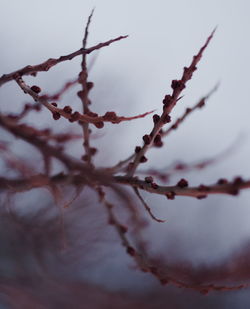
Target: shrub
{"points": [[109, 181]]}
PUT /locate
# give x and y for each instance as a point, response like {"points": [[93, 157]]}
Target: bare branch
{"points": [[165, 173], [148, 209], [189, 110], [84, 42], [83, 95], [67, 113], [65, 87], [169, 103], [48, 64], [182, 189], [119, 166], [21, 131]]}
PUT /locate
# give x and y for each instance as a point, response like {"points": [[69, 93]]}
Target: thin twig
{"points": [[181, 189], [189, 110], [42, 145], [83, 77], [48, 64], [169, 103], [165, 173], [75, 116], [148, 209], [65, 87]]}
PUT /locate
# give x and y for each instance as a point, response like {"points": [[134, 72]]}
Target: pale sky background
{"points": [[132, 76]]}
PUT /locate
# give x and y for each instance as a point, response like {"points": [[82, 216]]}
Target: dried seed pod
{"points": [[158, 141], [202, 103], [131, 251], [177, 84], [147, 139], [149, 179], [137, 149], [156, 118], [91, 114], [90, 85], [85, 157], [182, 183], [167, 100], [75, 117], [36, 89], [154, 185], [56, 115], [237, 180], [157, 138], [80, 94], [110, 116], [222, 181], [170, 195], [67, 109], [203, 188], [123, 228], [99, 124], [93, 151], [166, 119], [200, 197], [143, 159]]}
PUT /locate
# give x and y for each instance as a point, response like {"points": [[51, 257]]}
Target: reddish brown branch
{"points": [[65, 87], [165, 173], [67, 112], [146, 265], [147, 208], [25, 184], [48, 64], [119, 166], [221, 187], [188, 111], [169, 103], [83, 95], [20, 131]]}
